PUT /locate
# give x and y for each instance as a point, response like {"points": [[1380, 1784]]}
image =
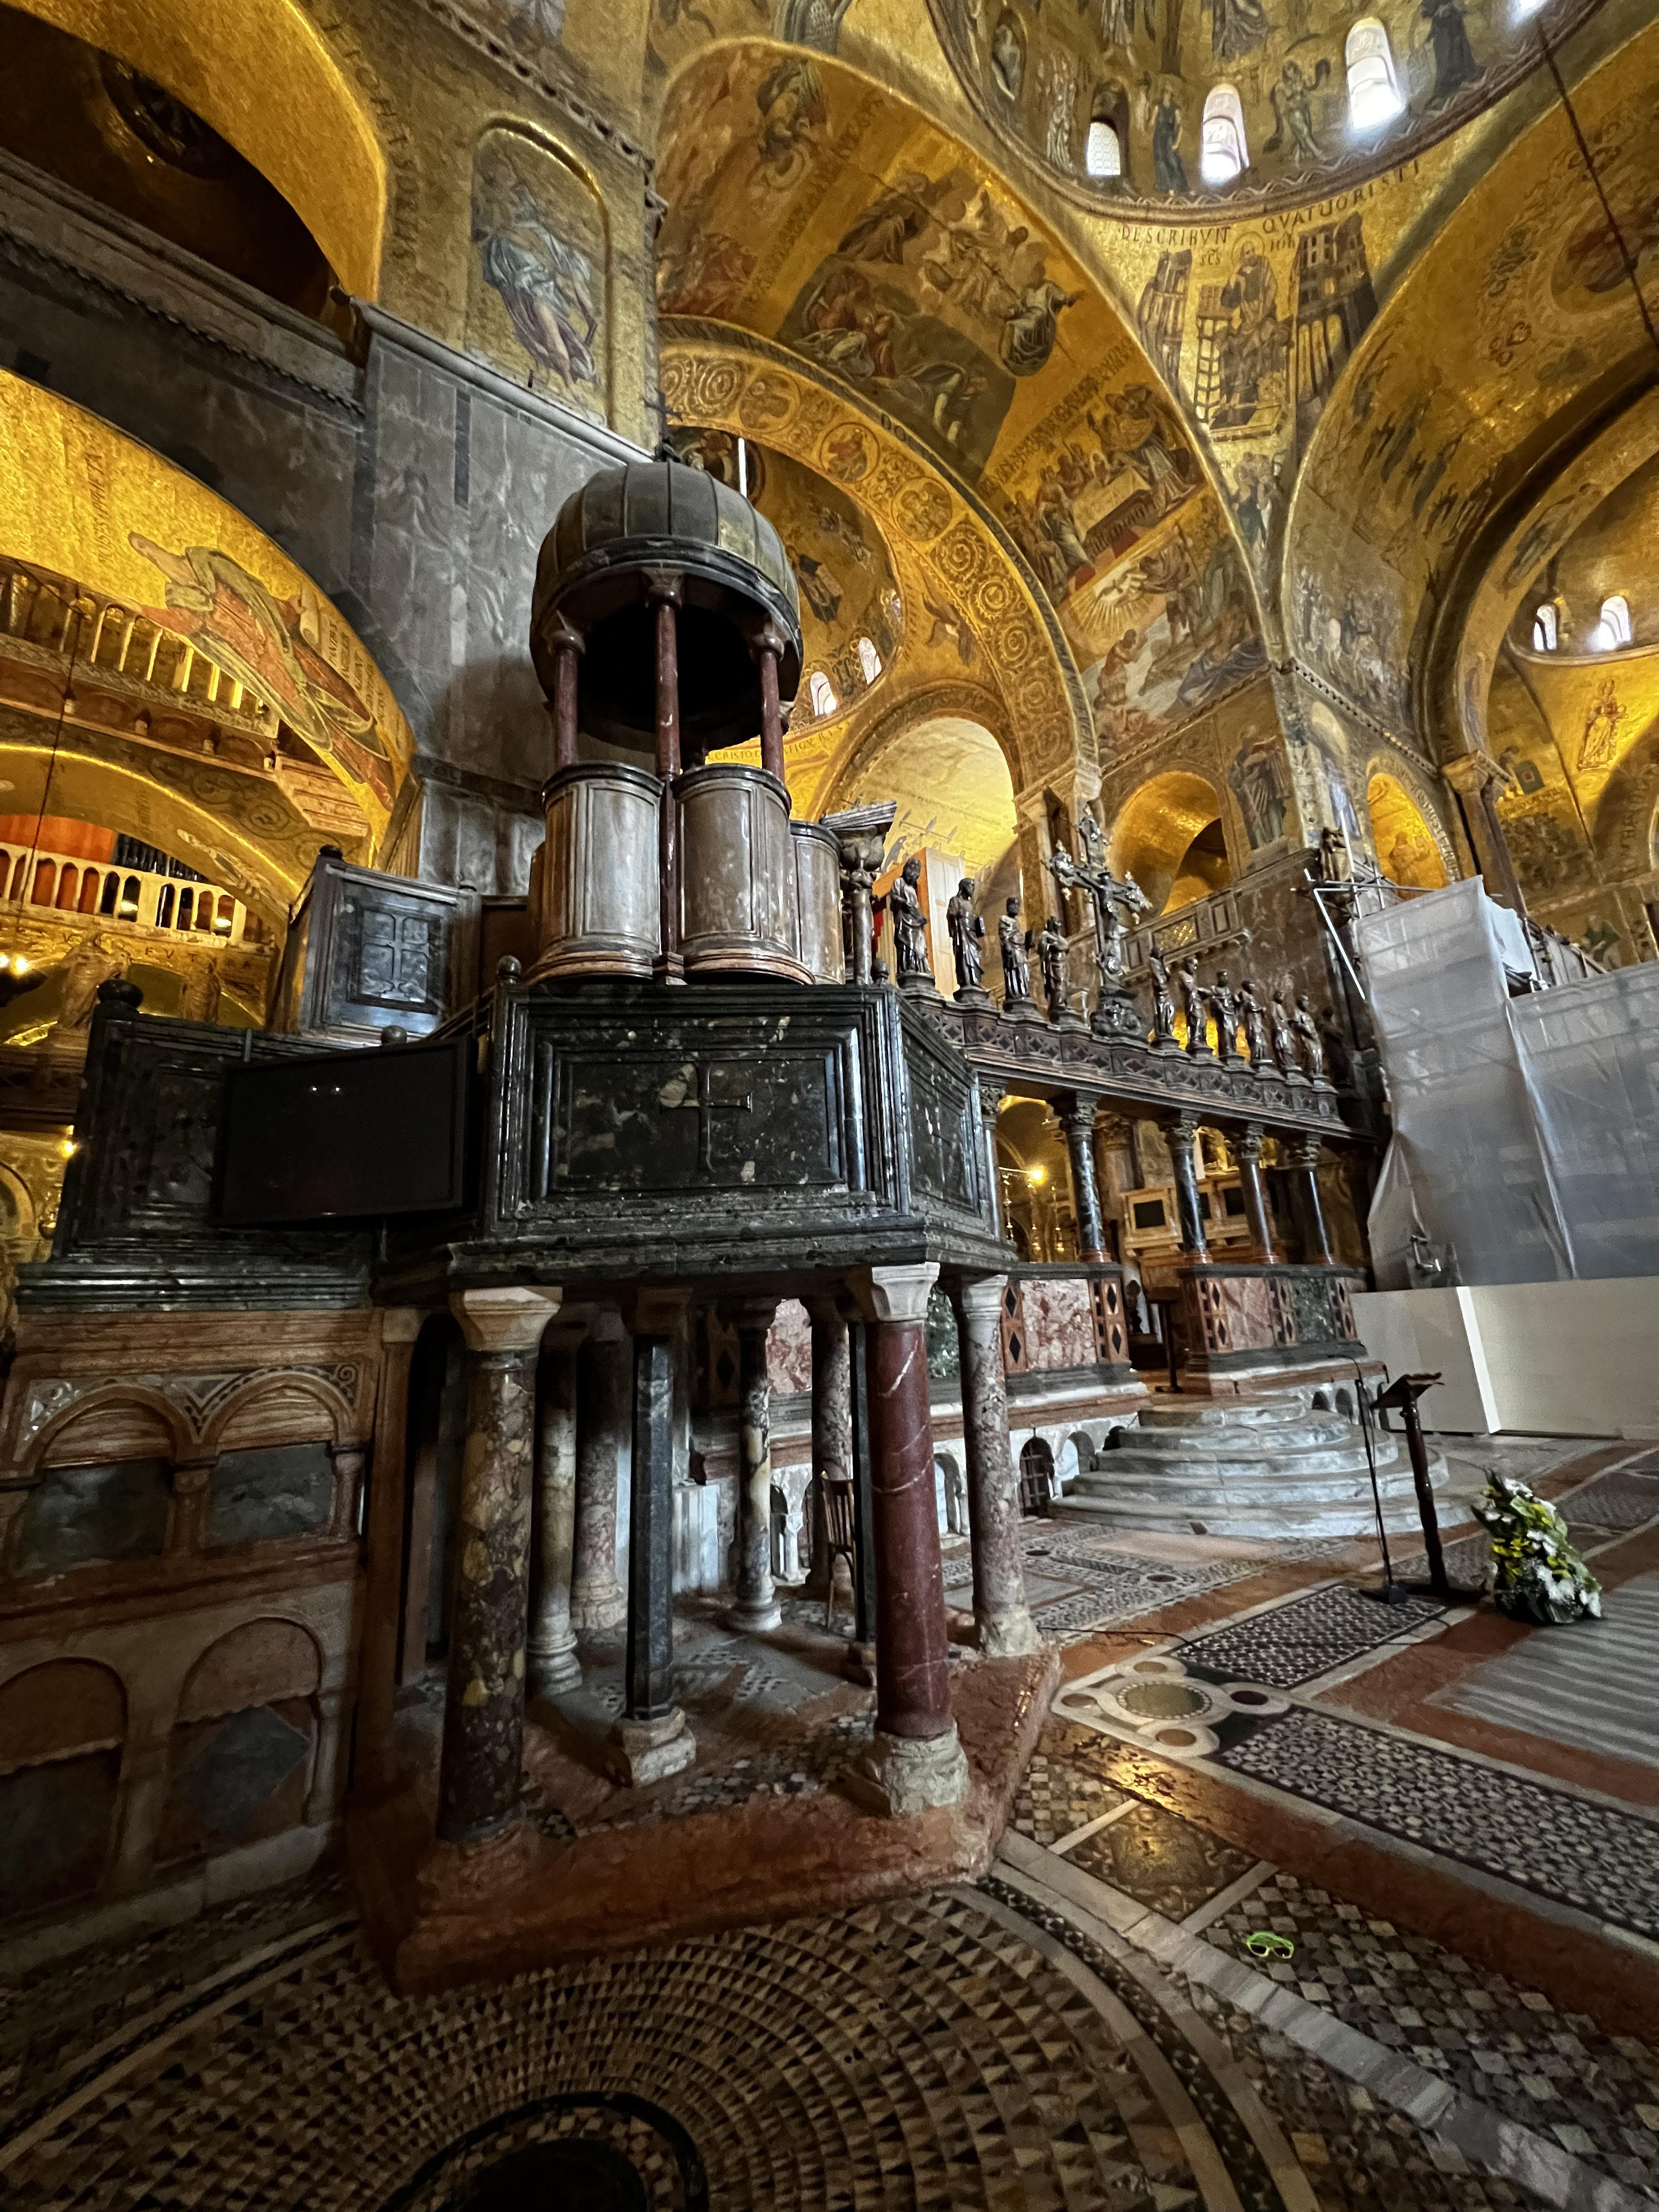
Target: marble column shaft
{"points": [[377, 1688], [832, 1419], [1247, 1151], [1006, 1627], [913, 1686], [1180, 1132], [553, 1663], [479, 1779], [756, 1606], [648, 1688], [1304, 1166], [604, 1415], [1077, 1118]]}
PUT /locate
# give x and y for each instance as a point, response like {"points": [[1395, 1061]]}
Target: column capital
{"points": [[1475, 772], [978, 1296], [894, 1294], [1074, 1111], [653, 1311], [401, 1324], [510, 1319], [1182, 1128], [749, 1313], [664, 588], [559, 635], [769, 638], [1247, 1139], [1303, 1151]]}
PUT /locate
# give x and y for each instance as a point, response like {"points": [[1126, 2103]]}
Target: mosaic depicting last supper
{"points": [[829, 1105]]}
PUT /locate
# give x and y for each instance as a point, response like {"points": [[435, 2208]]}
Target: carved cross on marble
{"points": [[706, 1090]]}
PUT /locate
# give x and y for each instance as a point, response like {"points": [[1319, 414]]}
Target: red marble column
{"points": [[567, 644], [768, 649], [664, 592], [480, 1779], [377, 1672]]}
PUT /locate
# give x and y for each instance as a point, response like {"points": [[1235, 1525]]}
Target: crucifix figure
{"points": [[698, 1089], [1106, 894]]}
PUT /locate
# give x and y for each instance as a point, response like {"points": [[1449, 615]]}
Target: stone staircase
{"points": [[1267, 1469]]}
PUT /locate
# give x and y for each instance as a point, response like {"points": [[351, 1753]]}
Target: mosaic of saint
{"points": [[1285, 96], [535, 299]]}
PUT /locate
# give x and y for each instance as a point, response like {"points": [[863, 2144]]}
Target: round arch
{"points": [[1408, 844], [1169, 835], [268, 83]]}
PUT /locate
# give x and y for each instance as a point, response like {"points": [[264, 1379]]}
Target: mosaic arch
{"points": [[1428, 436], [809, 204], [1408, 849], [1169, 835], [80, 501], [1241, 107], [715, 379], [947, 775], [268, 83]]}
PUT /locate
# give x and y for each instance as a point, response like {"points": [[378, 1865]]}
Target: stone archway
{"points": [[1169, 835]]}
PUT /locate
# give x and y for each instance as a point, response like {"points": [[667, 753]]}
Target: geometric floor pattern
{"points": [[916, 2053], [1074, 1585], [1600, 1858], [1306, 1638]]}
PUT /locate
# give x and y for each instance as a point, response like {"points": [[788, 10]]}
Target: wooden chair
{"points": [[836, 1499]]}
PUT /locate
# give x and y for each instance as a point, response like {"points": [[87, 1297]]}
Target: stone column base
{"points": [[604, 1609], [643, 1752], [904, 1777], [552, 1672], [859, 1664], [1009, 1635], [752, 1619]]}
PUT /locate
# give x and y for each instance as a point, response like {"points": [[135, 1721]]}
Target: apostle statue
{"points": [[1195, 1005], [1223, 1005], [1256, 1027], [1054, 956], [909, 923], [1010, 942], [967, 931], [1308, 1043], [1284, 1042], [1162, 1004]]}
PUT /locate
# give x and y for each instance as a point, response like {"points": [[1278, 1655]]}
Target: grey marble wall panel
{"points": [[285, 1490], [85, 1516]]}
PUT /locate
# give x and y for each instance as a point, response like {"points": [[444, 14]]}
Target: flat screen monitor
{"points": [[343, 1136]]}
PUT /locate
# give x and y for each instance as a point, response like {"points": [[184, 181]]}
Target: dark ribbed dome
{"points": [[620, 527]]}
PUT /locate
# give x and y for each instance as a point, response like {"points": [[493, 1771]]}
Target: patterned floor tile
{"points": [[1296, 1642]]}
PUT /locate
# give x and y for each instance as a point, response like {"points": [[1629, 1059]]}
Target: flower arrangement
{"points": [[1536, 1575]]}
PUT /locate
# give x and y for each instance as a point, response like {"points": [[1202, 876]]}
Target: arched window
{"points": [[1102, 149], [128, 909], [110, 892], [186, 902], [1545, 636], [820, 693], [1373, 88], [1615, 623], [1222, 151], [163, 908], [869, 661]]}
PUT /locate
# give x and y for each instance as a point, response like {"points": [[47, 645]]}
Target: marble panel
{"points": [[1059, 1323], [85, 1516], [257, 1496], [789, 1351], [1249, 1311]]}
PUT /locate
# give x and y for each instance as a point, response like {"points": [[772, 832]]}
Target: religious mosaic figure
{"points": [[97, 959], [1455, 65], [546, 286], [1223, 1005], [1169, 170], [1055, 955], [1255, 1025], [909, 923], [259, 642], [1194, 1006], [1010, 942], [1308, 1041], [1163, 1011], [967, 931], [1283, 1039]]}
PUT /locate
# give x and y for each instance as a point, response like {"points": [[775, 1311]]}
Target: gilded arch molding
{"points": [[717, 377], [870, 739]]}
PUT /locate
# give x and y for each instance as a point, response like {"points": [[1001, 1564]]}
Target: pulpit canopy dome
{"points": [[624, 528]]}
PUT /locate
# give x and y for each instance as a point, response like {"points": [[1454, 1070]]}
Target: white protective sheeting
{"points": [[1466, 1176]]}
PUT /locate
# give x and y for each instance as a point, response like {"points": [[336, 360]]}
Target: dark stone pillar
{"points": [[480, 1779], [756, 1607], [603, 1383], [1077, 1118], [1302, 1155], [832, 1414], [652, 1739], [990, 1103], [1247, 1151], [377, 1680], [554, 1666], [916, 1761], [1006, 1627], [1180, 1133]]}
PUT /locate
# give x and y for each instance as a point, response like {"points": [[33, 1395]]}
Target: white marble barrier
{"points": [[697, 1536]]}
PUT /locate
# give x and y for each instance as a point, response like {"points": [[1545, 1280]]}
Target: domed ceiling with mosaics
{"points": [[1266, 100], [807, 206]]}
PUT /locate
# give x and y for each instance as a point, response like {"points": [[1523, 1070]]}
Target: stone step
{"points": [[1277, 1516], [1322, 1432]]}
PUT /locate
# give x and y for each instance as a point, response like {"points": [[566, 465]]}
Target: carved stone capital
{"points": [[664, 588], [510, 1319], [894, 1294], [978, 1297]]}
